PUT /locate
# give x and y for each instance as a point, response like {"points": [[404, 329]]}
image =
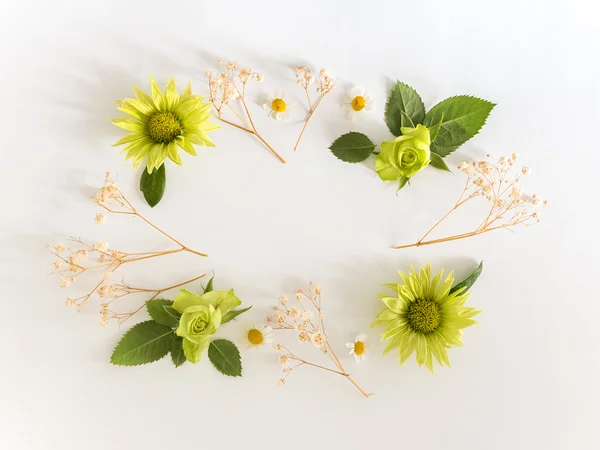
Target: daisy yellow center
{"points": [[424, 316], [255, 337], [163, 127], [359, 348], [358, 103], [278, 105]]}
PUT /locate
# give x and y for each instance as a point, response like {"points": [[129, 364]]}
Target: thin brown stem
{"points": [[449, 238], [310, 114], [157, 292]]}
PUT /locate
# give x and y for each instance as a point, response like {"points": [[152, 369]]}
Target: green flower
{"points": [[405, 155], [163, 122], [425, 317], [201, 318]]}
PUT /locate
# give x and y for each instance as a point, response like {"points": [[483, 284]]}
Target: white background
{"points": [[527, 376]]}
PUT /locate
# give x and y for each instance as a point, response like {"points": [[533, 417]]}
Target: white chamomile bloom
{"points": [[356, 101], [278, 108], [358, 348], [257, 335]]}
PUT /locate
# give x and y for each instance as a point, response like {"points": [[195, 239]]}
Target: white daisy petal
{"points": [[362, 337], [349, 344]]}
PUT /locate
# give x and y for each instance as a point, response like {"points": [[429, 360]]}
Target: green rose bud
{"points": [[201, 318], [405, 155]]}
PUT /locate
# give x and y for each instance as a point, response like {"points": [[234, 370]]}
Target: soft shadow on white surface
{"points": [[527, 374]]}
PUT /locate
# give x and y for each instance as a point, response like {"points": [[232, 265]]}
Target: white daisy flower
{"points": [[257, 335], [278, 108], [358, 348], [356, 101]]}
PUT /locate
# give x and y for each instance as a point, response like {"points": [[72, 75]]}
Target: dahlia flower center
{"points": [[163, 127], [424, 316], [358, 103], [255, 337], [278, 105], [359, 348]]}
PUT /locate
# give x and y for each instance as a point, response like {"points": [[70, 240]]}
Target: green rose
{"points": [[201, 318], [405, 155]]}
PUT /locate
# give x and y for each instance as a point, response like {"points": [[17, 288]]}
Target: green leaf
{"points": [[461, 118], [233, 314], [352, 147], [469, 281], [438, 162], [225, 356], [434, 130], [157, 312], [144, 343], [177, 355], [404, 108], [172, 312], [209, 286], [153, 185], [402, 182]]}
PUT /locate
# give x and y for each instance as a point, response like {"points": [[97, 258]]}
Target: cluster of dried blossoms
{"points": [[72, 262], [306, 320], [229, 86], [493, 180], [324, 86]]}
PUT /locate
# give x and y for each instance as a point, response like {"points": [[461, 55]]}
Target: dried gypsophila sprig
{"points": [[306, 320], [224, 89], [325, 85], [74, 263], [494, 181]]}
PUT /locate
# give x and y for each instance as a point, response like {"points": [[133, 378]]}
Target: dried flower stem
{"points": [[72, 265], [124, 289], [305, 79], [508, 208], [224, 87], [300, 320]]}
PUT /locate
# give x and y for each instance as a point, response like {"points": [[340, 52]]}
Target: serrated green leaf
{"points": [[144, 343], [209, 285], [404, 108], [172, 312], [153, 185], [434, 130], [177, 355], [469, 281], [352, 147], [157, 312], [438, 162], [233, 314], [461, 118], [225, 356]]}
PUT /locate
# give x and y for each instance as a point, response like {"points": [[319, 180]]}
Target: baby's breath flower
{"points": [[59, 247], [317, 339], [294, 313], [307, 315], [66, 281], [284, 360], [101, 246], [281, 382], [100, 218], [303, 337]]}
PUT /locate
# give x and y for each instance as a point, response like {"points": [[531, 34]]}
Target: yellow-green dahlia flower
{"points": [[201, 317], [425, 317], [404, 156], [163, 122]]}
